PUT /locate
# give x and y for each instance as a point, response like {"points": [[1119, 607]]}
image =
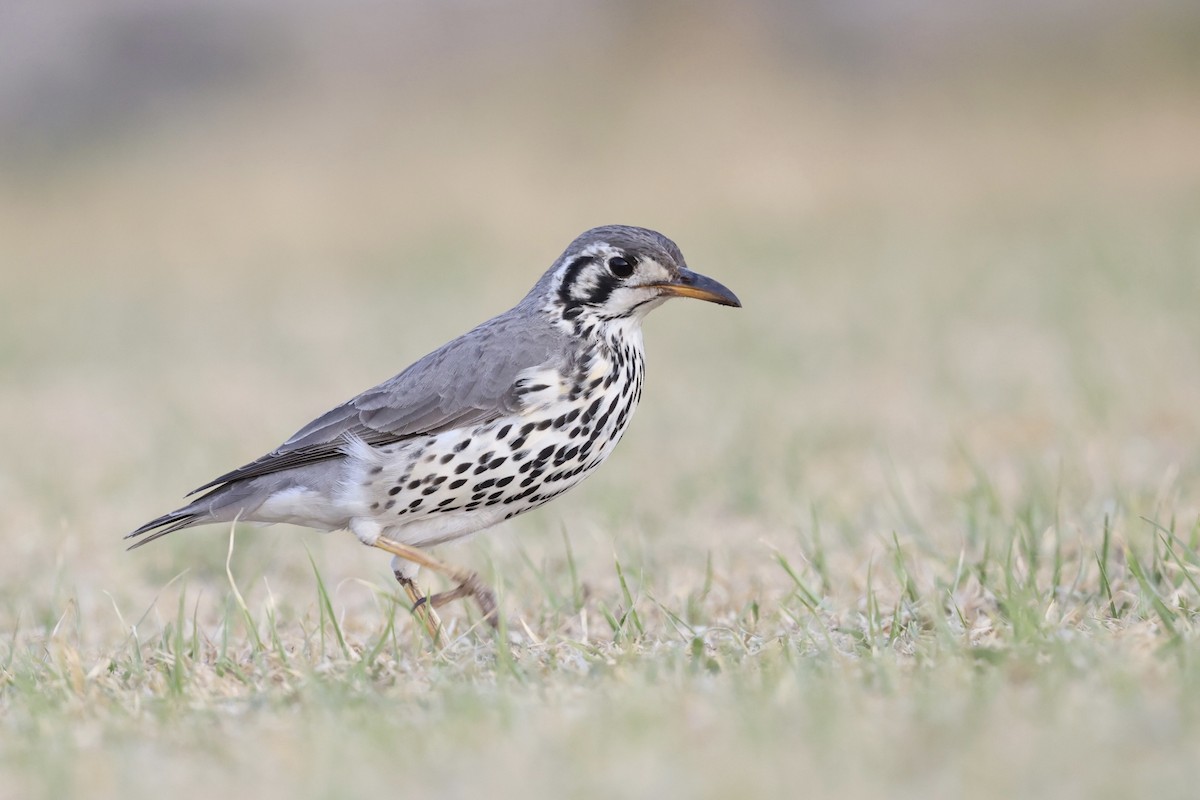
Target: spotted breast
{"points": [[451, 484]]}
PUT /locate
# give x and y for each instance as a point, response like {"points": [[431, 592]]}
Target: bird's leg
{"points": [[422, 609], [469, 584], [471, 587]]}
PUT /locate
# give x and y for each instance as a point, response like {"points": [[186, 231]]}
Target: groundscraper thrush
{"points": [[490, 425]]}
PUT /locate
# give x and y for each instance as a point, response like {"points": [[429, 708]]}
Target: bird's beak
{"points": [[693, 284]]}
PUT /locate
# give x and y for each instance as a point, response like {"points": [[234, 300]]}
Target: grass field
{"points": [[922, 519]]}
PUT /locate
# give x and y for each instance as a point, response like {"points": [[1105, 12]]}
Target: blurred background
{"points": [[967, 237]]}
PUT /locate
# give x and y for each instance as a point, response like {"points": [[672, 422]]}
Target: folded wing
{"points": [[468, 381]]}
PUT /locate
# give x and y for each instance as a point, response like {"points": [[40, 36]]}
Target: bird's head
{"points": [[619, 272]]}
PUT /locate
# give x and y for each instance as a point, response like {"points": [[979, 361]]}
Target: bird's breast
{"points": [[440, 487]]}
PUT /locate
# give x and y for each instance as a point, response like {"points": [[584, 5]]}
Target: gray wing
{"points": [[468, 381]]}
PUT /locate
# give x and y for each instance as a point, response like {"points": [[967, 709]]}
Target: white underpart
{"points": [[302, 506]]}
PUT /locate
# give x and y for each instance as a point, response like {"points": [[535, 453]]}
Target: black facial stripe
{"points": [[570, 304], [605, 284], [570, 276]]}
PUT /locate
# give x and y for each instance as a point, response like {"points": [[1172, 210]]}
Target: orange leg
{"points": [[421, 608], [469, 584]]}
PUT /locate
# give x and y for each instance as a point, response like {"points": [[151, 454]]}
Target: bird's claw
{"points": [[470, 586]]}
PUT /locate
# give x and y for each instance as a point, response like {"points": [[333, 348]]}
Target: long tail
{"points": [[222, 504], [168, 523]]}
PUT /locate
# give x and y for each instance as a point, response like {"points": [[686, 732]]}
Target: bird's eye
{"points": [[621, 267]]}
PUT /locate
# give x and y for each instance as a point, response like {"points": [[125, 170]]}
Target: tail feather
{"points": [[222, 504], [167, 523], [237, 500]]}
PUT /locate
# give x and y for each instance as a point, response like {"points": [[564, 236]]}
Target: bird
{"points": [[492, 424]]}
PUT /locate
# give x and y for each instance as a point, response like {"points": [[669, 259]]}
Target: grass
{"points": [[1030, 659], [923, 519]]}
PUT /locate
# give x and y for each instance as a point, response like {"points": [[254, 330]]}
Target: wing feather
{"points": [[468, 381]]}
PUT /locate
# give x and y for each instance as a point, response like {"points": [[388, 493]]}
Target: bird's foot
{"points": [[471, 586]]}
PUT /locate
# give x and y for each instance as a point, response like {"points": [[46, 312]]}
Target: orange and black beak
{"points": [[693, 284]]}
